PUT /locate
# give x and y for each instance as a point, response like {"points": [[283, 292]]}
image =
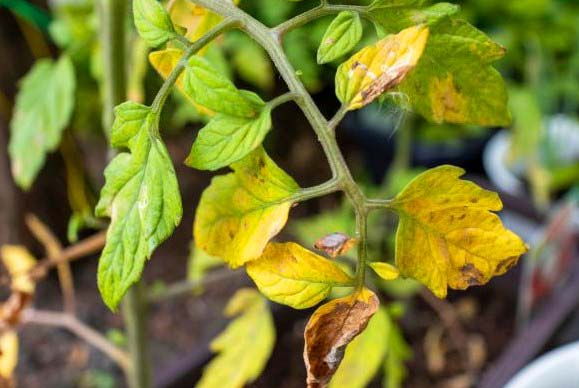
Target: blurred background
{"points": [[485, 334]]}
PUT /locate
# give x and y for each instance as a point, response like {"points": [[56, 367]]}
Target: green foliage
{"points": [[209, 88], [342, 35], [152, 22], [141, 196], [43, 110], [227, 139]]}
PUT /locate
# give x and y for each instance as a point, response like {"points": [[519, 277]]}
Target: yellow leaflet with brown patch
{"points": [[448, 235], [164, 61], [290, 274], [330, 329], [379, 67], [240, 212]]}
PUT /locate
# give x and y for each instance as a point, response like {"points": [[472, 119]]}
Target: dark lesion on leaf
{"points": [[472, 275]]}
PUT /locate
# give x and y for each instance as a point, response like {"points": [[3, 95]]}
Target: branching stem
{"points": [[342, 180]]}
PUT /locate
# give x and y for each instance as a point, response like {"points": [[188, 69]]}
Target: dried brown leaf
{"points": [[335, 244], [330, 329]]}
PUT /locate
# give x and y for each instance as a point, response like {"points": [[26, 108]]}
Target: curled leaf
{"points": [[240, 212], [289, 274], [379, 67], [330, 329], [342, 35], [448, 235], [335, 244], [385, 271], [365, 354]]}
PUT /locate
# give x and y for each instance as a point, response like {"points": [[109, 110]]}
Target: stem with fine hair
{"points": [[113, 15], [270, 40]]}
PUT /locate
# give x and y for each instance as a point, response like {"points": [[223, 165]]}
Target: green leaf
{"points": [[240, 212], [227, 139], [454, 81], [342, 35], [245, 346], [141, 196], [364, 354], [153, 22], [393, 16], [292, 275], [209, 88], [43, 109]]}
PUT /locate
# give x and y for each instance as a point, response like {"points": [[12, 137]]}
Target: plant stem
{"points": [[112, 23], [192, 49], [322, 10], [88, 334], [269, 40], [135, 314]]}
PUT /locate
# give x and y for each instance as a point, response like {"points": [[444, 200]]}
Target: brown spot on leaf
{"points": [[335, 244], [385, 82], [330, 329], [472, 275]]}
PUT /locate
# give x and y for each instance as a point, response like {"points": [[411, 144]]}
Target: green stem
{"points": [[280, 100], [269, 40], [135, 314], [113, 16], [192, 49], [324, 9]]}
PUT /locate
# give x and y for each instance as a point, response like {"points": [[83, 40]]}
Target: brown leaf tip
{"points": [[335, 244]]}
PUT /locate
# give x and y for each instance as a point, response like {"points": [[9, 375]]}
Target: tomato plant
{"points": [[448, 235]]}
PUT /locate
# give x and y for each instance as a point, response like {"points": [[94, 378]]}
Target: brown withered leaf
{"points": [[330, 329], [335, 244]]}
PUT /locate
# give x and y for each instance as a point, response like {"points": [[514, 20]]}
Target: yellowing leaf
{"points": [[240, 212], [245, 345], [18, 262], [8, 356], [448, 235], [379, 67], [385, 271], [289, 274], [364, 355], [164, 61], [330, 329]]}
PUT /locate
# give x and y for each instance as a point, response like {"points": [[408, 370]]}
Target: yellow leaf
{"points": [[291, 275], [8, 355], [379, 67], [330, 329], [364, 355], [18, 261], [385, 271], [244, 346], [194, 18], [164, 61], [240, 212], [448, 235]]}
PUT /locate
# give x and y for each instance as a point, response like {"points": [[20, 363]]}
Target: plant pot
{"points": [[559, 368]]}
